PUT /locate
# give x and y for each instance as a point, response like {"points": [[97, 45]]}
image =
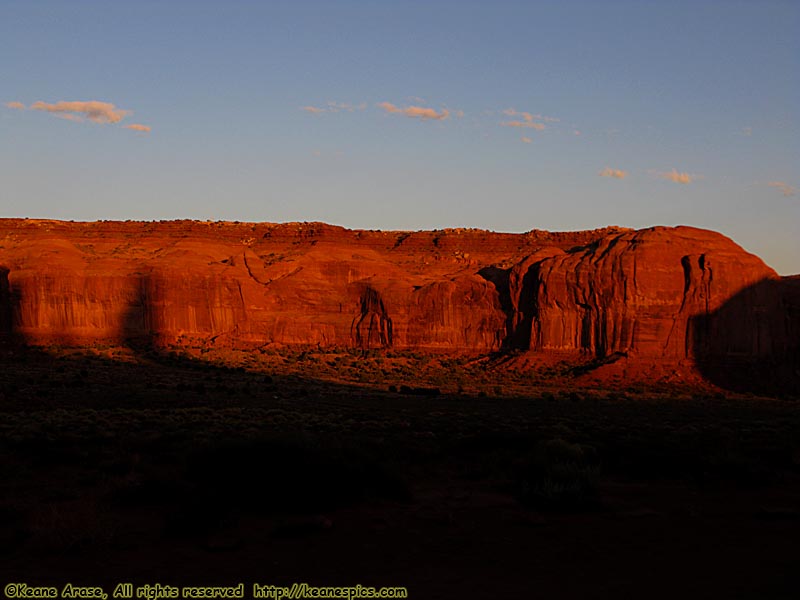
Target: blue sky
{"points": [[408, 115]]}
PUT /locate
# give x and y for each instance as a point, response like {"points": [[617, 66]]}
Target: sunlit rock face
{"points": [[671, 294], [637, 293], [241, 284]]}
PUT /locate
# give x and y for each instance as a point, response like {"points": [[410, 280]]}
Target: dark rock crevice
{"points": [[372, 326]]}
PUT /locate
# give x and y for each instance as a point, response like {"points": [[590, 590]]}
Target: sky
{"points": [[507, 116]]}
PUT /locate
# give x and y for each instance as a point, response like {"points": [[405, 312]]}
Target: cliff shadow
{"points": [[517, 290], [9, 310], [499, 278], [5, 304], [752, 342], [136, 327]]}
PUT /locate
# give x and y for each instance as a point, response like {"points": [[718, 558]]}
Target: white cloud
{"points": [[785, 189], [615, 173], [528, 120], [676, 177], [417, 112], [138, 127], [93, 110]]}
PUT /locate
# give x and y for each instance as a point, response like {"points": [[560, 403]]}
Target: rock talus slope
{"points": [[667, 294]]}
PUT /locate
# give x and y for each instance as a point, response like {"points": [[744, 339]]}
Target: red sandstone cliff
{"points": [[658, 293], [242, 284], [636, 292]]}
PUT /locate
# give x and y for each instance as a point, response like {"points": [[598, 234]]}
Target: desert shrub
{"points": [[559, 476], [279, 474], [489, 455], [731, 467]]}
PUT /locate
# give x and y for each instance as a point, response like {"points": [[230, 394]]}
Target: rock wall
{"points": [[636, 292], [661, 293]]}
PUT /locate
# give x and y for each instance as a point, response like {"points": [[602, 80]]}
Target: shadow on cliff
{"points": [[752, 342], [518, 310], [499, 278], [137, 329], [11, 339], [6, 306]]}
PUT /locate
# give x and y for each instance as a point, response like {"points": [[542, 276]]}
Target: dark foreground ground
{"points": [[117, 467]]}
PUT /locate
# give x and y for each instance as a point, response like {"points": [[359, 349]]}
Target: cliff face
{"points": [[660, 293], [252, 284], [636, 292]]}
